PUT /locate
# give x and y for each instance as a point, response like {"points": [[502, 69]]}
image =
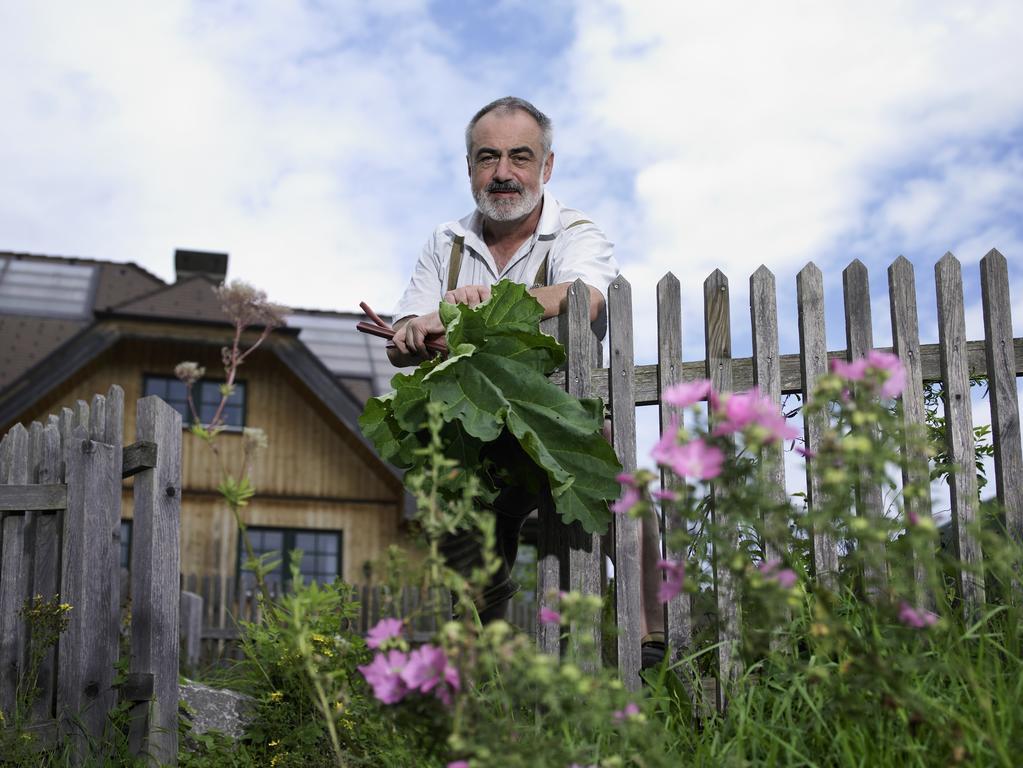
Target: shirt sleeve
{"points": [[425, 289], [584, 252]]}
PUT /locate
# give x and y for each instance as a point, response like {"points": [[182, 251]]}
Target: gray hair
{"points": [[509, 104]]}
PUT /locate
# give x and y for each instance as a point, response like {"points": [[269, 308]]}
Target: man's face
{"points": [[507, 168]]}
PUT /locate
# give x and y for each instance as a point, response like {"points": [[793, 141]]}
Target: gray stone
{"points": [[216, 709]]}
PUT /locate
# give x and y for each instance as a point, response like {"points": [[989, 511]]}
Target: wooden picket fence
{"points": [[60, 501], [213, 607], [569, 558]]}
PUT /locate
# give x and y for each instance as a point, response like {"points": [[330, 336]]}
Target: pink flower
{"points": [[784, 577], [674, 578], [854, 371], [744, 410], [630, 498], [549, 616], [384, 630], [684, 395], [631, 710], [808, 453], [665, 494], [892, 370], [917, 619], [912, 517], [384, 674], [459, 764], [428, 670], [693, 459]]}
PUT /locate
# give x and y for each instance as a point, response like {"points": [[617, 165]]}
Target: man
{"points": [[517, 232]]}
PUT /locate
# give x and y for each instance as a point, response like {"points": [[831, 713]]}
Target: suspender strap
{"points": [[455, 262], [541, 274]]}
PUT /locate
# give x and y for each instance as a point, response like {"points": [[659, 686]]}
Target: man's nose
{"points": [[503, 170]]}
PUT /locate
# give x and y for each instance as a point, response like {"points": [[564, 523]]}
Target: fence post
{"points": [[1001, 374], [813, 363], [86, 660], [155, 574], [948, 278], [669, 372], [859, 341], [718, 339], [13, 578], [906, 342], [585, 553], [627, 529]]}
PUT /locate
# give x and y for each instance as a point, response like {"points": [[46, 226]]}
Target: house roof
{"points": [[59, 313]]}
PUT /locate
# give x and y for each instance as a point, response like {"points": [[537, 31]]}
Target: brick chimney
{"points": [[206, 263]]}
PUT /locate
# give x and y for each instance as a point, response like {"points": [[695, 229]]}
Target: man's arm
{"points": [[554, 300]]}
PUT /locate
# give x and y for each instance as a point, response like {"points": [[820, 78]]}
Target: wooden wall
{"points": [[315, 474]]}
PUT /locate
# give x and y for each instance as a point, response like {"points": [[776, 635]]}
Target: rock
{"points": [[216, 709]]}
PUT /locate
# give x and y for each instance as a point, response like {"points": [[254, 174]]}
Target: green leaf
{"points": [[492, 386]]}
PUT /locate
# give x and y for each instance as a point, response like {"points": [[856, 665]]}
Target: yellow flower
{"points": [[277, 696], [274, 743]]}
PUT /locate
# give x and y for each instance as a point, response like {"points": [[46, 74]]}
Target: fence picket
{"points": [[627, 529], [85, 692], [859, 341], [155, 569], [906, 344], [1001, 373], [669, 372], [13, 579], [718, 341], [948, 280], [46, 566], [813, 356], [763, 306]]}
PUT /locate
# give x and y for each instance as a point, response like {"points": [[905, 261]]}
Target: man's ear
{"points": [[468, 165], [548, 166]]}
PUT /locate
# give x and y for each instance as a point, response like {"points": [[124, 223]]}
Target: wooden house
{"points": [[72, 327]]}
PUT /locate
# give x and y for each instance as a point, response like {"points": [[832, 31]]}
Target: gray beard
{"points": [[510, 210]]}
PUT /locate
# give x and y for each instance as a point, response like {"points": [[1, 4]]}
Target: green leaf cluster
{"points": [[504, 421]]}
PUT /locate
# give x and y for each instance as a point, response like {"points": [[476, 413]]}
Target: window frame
{"points": [[288, 537], [186, 422]]}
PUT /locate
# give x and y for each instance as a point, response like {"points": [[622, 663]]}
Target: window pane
{"points": [[232, 416], [306, 542], [126, 543], [210, 392], [176, 390], [155, 386]]}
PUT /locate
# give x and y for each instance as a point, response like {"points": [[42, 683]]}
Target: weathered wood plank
{"points": [[1005, 428], [191, 627], [138, 456], [859, 341], [98, 418], [66, 425], [552, 544], [627, 530], [81, 414], [13, 576], [718, 341], [959, 433], [155, 568], [669, 372], [46, 574], [85, 684], [814, 364], [791, 375], [19, 498], [113, 429], [763, 307], [906, 344], [585, 554]]}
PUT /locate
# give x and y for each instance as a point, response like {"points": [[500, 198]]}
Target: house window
{"points": [[205, 396], [126, 544], [321, 554]]}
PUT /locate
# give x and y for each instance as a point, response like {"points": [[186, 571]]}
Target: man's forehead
{"points": [[505, 129]]}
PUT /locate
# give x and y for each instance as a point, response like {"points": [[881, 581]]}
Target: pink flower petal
{"points": [[687, 394]]}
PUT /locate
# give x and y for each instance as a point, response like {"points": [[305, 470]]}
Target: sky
{"points": [[320, 143]]}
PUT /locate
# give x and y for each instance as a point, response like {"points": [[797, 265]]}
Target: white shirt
{"points": [[573, 252]]}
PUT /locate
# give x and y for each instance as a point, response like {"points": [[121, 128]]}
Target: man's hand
{"points": [[468, 294], [410, 337]]}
